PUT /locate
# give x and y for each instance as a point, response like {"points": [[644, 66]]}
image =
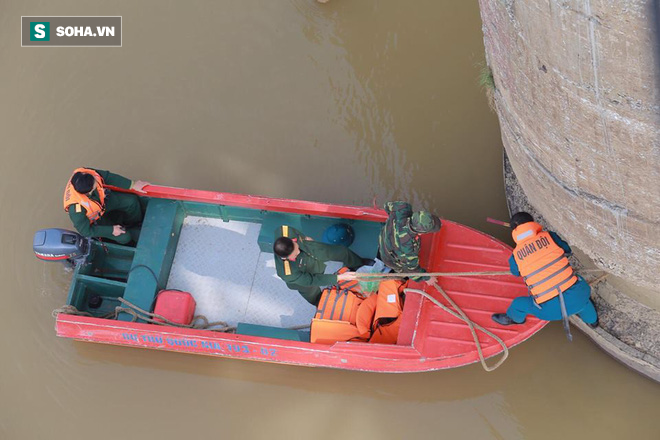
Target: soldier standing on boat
{"points": [[97, 211], [555, 291], [399, 240], [300, 262]]}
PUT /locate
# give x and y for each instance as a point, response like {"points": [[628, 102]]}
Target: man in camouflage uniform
{"points": [[300, 262], [399, 240]]}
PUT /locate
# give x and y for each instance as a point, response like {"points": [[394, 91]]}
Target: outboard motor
{"points": [[59, 244]]}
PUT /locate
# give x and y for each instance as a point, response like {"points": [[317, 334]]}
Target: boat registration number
{"points": [[157, 341]]}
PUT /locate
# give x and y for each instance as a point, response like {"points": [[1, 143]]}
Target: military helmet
{"points": [[339, 233], [423, 222]]}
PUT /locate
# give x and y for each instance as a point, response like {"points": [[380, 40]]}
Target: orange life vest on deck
{"points": [[335, 317], [343, 316], [338, 305], [94, 210], [542, 263], [389, 306]]}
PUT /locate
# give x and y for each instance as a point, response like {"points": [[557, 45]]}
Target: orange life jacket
{"points": [[335, 317], [343, 316], [352, 285], [542, 263], [325, 331], [94, 210], [338, 305], [387, 319], [364, 318]]}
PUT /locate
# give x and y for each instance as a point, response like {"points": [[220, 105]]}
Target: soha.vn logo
{"points": [[39, 31]]}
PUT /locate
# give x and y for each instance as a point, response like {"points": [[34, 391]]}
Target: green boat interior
{"points": [[222, 255]]}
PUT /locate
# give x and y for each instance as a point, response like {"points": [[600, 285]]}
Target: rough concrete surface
{"points": [[577, 95], [628, 330]]}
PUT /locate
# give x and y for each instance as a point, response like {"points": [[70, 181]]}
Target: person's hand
{"points": [[346, 276], [309, 239], [117, 230], [139, 185], [431, 281]]}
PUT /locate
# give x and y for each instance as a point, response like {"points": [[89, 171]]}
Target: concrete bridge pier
{"points": [[577, 93]]}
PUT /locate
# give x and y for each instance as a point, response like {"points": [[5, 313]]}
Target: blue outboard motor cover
{"points": [[59, 244], [339, 233]]}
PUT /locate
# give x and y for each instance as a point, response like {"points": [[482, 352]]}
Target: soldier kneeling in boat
{"points": [[399, 240], [555, 291], [96, 211], [300, 262]]}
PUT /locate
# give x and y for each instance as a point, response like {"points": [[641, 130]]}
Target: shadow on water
{"points": [[525, 363], [473, 381]]}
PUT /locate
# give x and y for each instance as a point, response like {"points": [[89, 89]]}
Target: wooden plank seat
{"points": [[154, 254]]}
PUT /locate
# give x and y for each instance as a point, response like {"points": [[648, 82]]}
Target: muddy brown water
{"points": [[340, 102]]}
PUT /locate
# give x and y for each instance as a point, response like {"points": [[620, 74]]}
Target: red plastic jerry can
{"points": [[175, 305]]}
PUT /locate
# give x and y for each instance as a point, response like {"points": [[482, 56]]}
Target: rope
{"points": [[461, 315], [372, 276], [72, 310], [138, 313], [151, 318], [69, 310], [428, 274], [467, 320]]}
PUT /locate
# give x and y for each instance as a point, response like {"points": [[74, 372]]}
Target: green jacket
{"points": [[398, 244], [99, 228], [308, 268]]}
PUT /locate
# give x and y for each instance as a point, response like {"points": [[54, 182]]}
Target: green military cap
{"points": [[423, 222]]}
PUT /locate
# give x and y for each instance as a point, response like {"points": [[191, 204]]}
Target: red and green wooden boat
{"points": [[217, 247]]}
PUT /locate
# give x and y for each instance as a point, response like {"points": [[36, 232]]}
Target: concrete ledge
{"points": [[629, 331], [643, 363]]}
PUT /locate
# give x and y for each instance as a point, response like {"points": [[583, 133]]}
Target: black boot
{"points": [[593, 324], [504, 319]]}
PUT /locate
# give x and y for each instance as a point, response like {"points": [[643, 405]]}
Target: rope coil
{"points": [[459, 314], [199, 322], [152, 318]]}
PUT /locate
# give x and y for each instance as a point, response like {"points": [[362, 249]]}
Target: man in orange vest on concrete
{"points": [[97, 211], [555, 291]]}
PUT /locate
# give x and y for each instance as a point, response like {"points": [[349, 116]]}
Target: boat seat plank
{"points": [[154, 253], [366, 232], [88, 279], [271, 221], [271, 332]]}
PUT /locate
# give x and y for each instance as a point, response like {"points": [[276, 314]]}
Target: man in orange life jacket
{"points": [[97, 211], [540, 258]]}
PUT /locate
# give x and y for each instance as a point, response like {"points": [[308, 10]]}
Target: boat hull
{"points": [[430, 339]]}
